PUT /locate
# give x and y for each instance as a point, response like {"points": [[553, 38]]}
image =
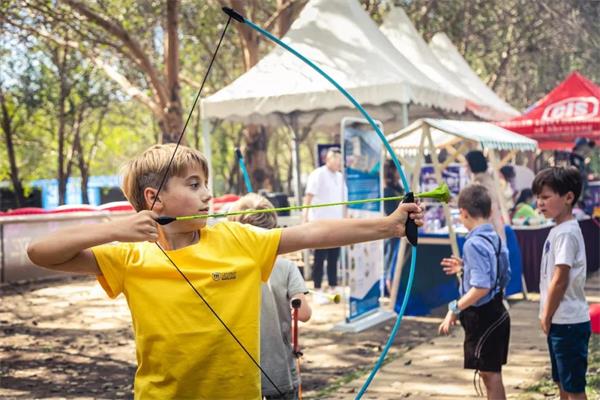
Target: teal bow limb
{"points": [[389, 149]]}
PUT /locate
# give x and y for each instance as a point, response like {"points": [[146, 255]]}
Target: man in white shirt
{"points": [[326, 185]]}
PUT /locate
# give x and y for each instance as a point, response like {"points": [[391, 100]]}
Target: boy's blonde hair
{"points": [[253, 201], [147, 170]]}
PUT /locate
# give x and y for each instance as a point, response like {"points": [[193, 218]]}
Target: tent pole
{"points": [[296, 158], [206, 142], [492, 155], [438, 175], [404, 115], [416, 175]]}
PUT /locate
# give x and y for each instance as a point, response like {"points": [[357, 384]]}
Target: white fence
{"points": [[17, 231]]}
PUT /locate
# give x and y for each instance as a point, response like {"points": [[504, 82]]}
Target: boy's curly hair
{"points": [[147, 170]]}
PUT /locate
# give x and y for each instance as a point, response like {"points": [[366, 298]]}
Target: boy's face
{"points": [[186, 195], [552, 204]]}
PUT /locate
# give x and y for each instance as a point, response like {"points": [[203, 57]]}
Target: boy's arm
{"points": [[556, 291], [325, 234], [464, 302], [471, 297], [68, 249]]}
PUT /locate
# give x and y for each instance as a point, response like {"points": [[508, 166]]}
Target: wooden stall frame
{"points": [[456, 150]]}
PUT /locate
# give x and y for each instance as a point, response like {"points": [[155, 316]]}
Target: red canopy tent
{"points": [[569, 111]]}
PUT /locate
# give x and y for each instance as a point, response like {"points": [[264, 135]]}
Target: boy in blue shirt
{"points": [[480, 307], [564, 313]]}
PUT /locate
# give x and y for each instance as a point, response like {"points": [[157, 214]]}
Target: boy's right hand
{"points": [[141, 227], [447, 324], [452, 265]]}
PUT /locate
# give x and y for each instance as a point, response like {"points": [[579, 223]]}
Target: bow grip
{"points": [[411, 229], [165, 220]]}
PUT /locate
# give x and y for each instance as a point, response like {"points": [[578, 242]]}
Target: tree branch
{"points": [[129, 42]]}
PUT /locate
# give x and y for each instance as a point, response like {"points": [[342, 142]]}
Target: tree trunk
{"points": [[173, 124], [10, 149], [83, 168], [62, 117], [255, 156]]}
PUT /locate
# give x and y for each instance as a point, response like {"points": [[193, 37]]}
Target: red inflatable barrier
{"points": [[116, 206], [595, 317], [73, 208], [25, 211]]}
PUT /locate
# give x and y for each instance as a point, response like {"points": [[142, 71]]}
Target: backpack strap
{"points": [[497, 251]]}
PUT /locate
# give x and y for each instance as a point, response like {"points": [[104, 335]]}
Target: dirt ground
{"points": [[64, 339]]}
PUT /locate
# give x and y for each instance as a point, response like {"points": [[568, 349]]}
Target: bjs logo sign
{"points": [[573, 107]]}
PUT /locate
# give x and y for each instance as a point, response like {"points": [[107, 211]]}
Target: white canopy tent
{"points": [[456, 137], [398, 28], [445, 132], [341, 38], [497, 109]]}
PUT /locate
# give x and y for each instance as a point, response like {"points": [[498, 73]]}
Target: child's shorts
{"points": [[487, 334], [568, 345]]}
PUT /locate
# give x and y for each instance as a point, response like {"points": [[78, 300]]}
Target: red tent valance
{"points": [[569, 111]]}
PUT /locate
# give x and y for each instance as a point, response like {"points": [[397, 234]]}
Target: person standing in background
{"points": [[478, 166], [326, 185], [507, 189]]}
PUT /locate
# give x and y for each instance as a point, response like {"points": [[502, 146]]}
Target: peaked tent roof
{"points": [[445, 132], [340, 37], [569, 111], [448, 55], [400, 31]]}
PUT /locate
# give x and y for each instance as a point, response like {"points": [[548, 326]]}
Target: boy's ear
{"points": [[569, 197], [149, 196]]}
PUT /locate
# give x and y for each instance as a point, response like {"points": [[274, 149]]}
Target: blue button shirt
{"points": [[479, 258]]}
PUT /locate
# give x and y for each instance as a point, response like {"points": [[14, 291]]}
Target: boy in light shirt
{"points": [[564, 313]]}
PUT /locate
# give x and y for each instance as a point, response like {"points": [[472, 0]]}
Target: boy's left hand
{"points": [[545, 324], [448, 323], [402, 213]]}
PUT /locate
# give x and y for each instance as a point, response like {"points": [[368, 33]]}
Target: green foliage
{"points": [[521, 48]]}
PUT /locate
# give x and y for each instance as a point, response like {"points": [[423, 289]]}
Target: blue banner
{"points": [[362, 155]]}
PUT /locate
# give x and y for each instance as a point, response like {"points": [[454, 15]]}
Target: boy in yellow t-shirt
{"points": [[183, 350]]}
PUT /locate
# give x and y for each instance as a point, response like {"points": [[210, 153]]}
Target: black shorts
{"points": [[487, 333]]}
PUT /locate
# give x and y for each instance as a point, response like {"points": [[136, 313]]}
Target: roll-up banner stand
{"points": [[362, 155]]}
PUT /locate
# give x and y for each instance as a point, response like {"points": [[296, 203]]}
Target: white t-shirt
{"points": [[565, 246], [326, 186], [523, 177]]}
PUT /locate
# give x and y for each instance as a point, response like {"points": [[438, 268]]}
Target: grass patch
{"points": [[547, 388]]}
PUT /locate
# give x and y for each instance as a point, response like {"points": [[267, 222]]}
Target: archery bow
{"points": [[411, 226]]}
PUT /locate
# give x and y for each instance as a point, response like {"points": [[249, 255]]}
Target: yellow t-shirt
{"points": [[183, 351]]}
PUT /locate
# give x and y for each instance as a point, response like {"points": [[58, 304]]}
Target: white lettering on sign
{"points": [[573, 107]]}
